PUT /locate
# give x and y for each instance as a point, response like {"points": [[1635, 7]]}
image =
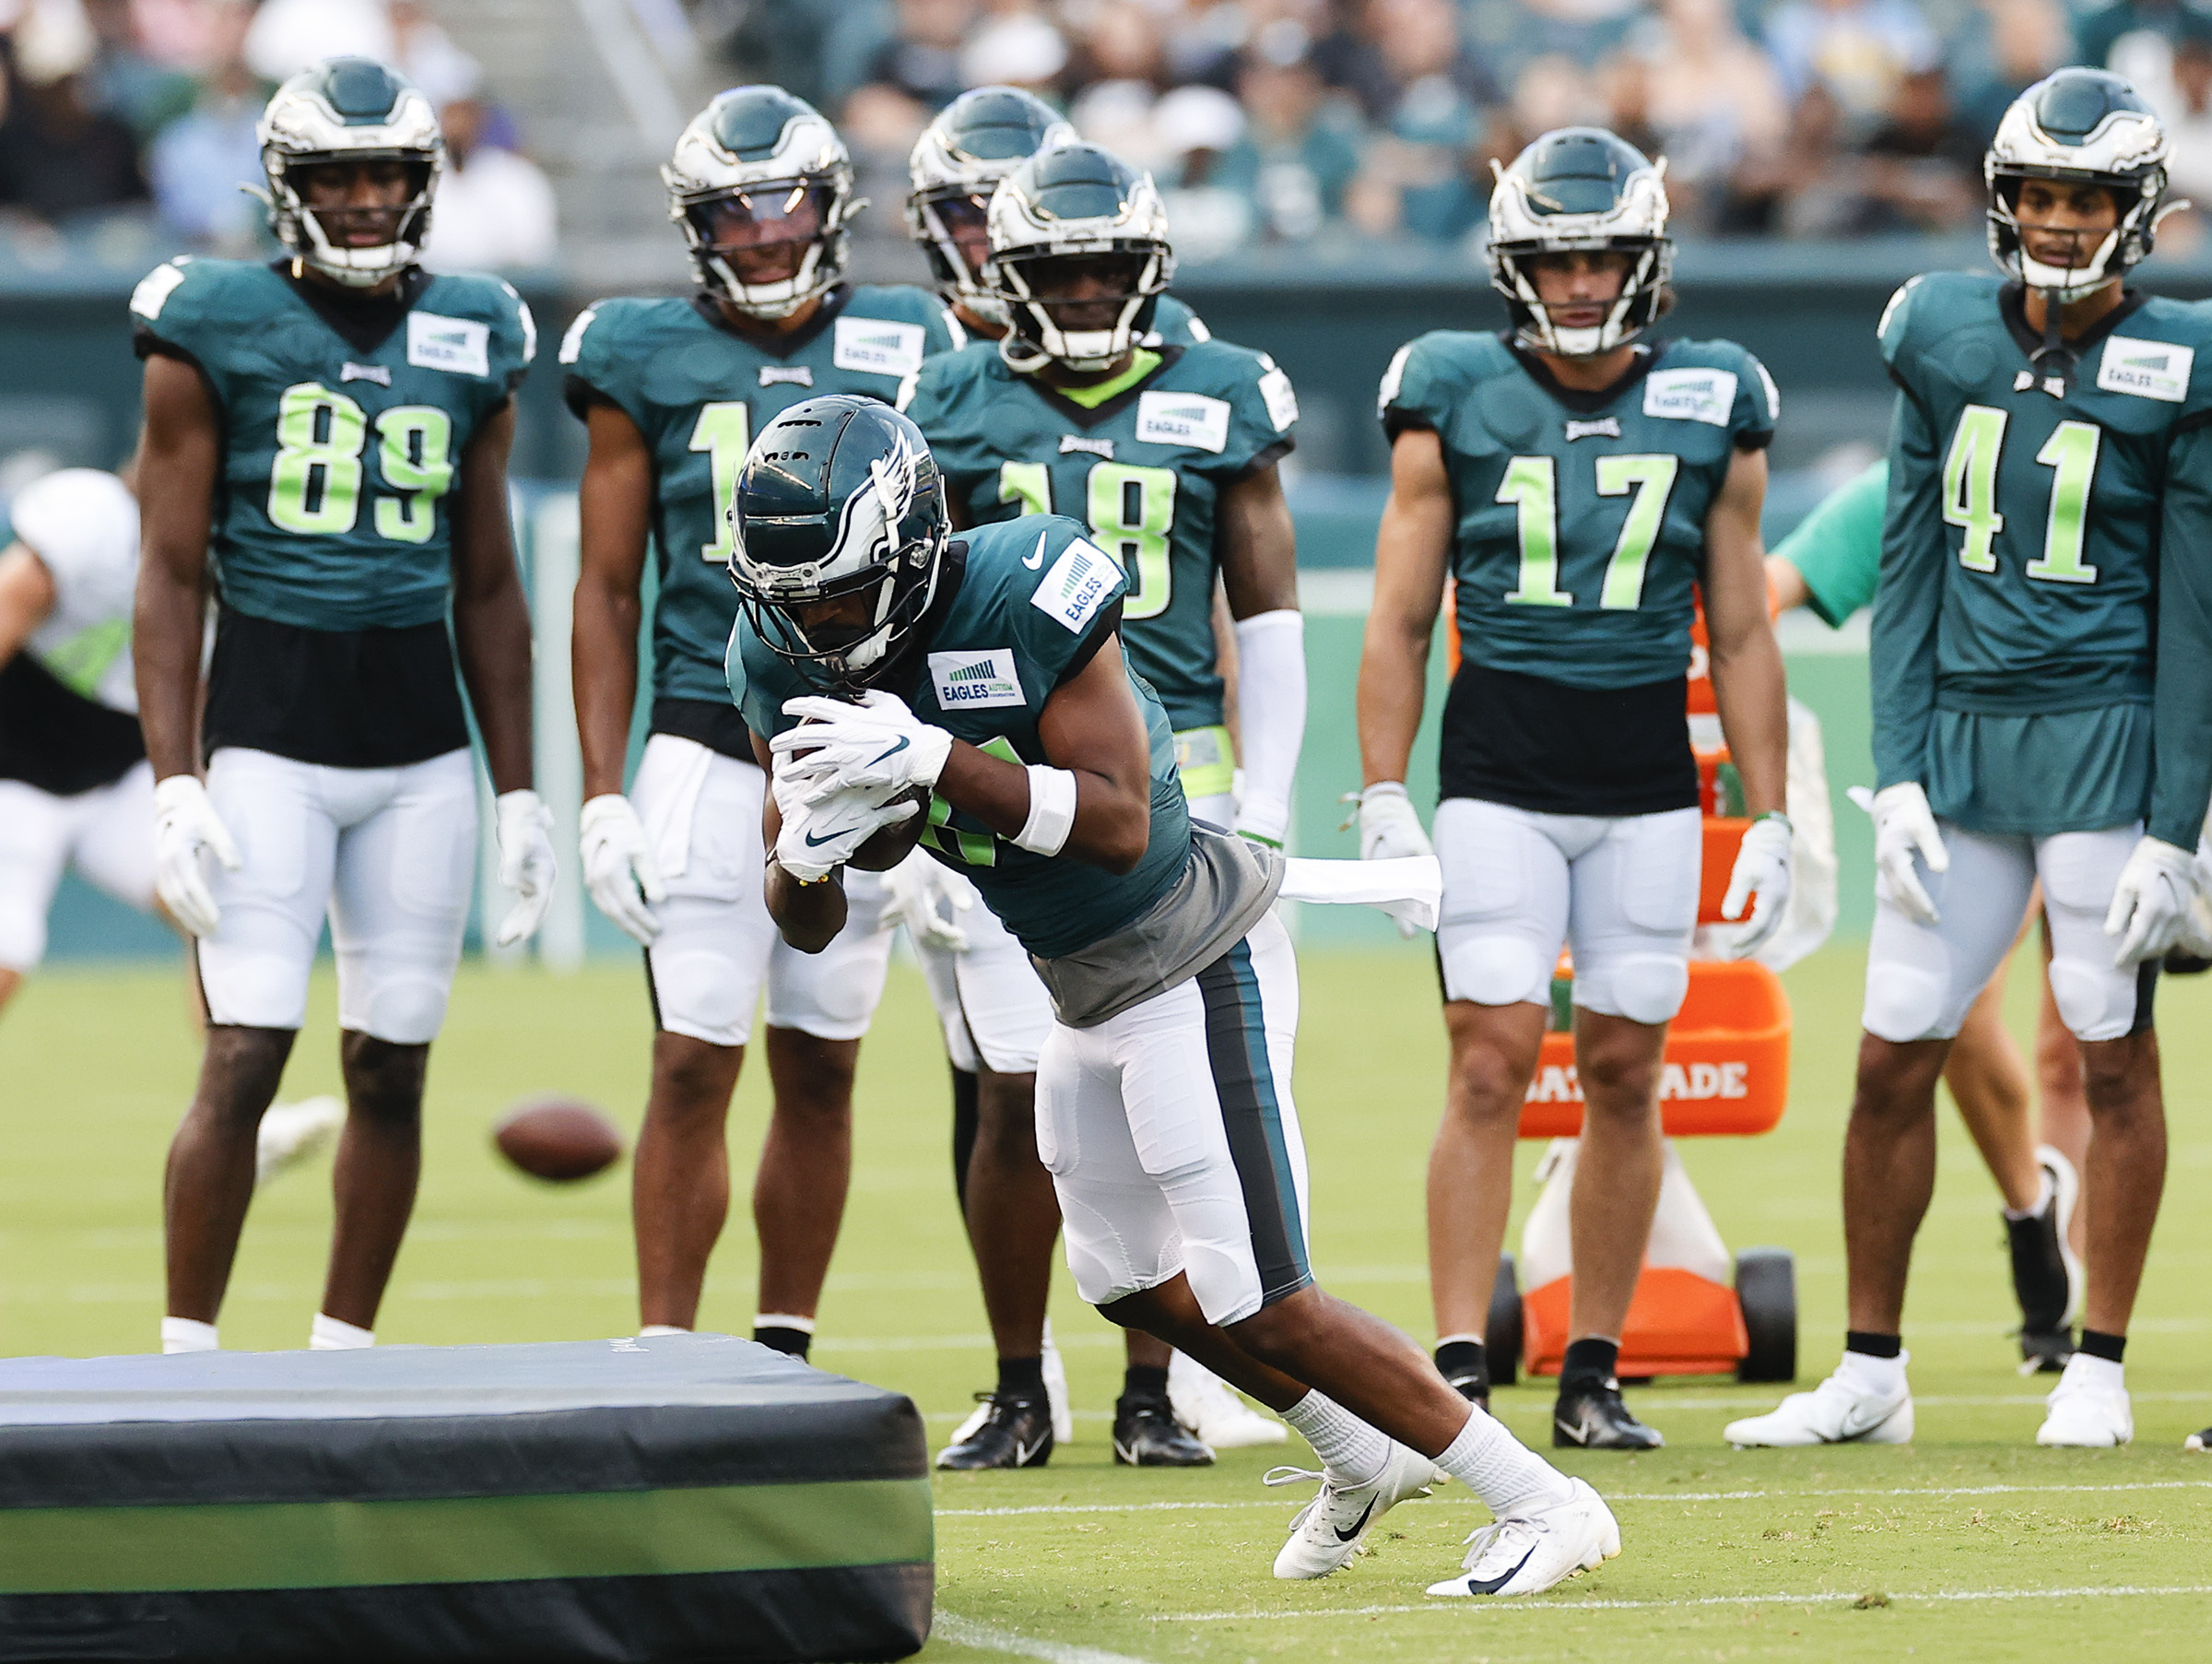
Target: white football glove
{"points": [[876, 745], [926, 897], [2151, 904], [1390, 827], [526, 863], [2196, 934], [822, 835], [619, 868], [185, 827], [1904, 826], [1762, 870]]}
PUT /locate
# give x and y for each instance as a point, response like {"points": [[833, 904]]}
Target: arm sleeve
{"points": [[1758, 407], [1908, 600], [1837, 548], [2181, 702], [1271, 717]]}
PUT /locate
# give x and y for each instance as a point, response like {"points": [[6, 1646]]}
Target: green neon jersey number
{"points": [[1132, 514], [972, 849], [1969, 485], [1531, 484], [2072, 451], [1969, 494], [416, 459], [724, 431], [316, 483], [1653, 481]]}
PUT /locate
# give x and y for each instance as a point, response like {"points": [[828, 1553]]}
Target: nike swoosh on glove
{"points": [[821, 836], [1390, 827], [1904, 826], [619, 868], [2151, 904], [526, 863], [1762, 870], [185, 827], [876, 744], [925, 898]]}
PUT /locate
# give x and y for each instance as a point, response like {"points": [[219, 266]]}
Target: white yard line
{"points": [[988, 1637], [1939, 1493], [1566, 1606]]}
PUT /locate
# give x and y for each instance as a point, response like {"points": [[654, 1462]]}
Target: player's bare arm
{"points": [[491, 620], [26, 596], [180, 453], [614, 503], [1258, 545], [1411, 550], [1747, 682]]}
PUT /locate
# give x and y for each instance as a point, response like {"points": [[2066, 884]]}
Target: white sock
{"points": [[1351, 1452], [1445, 1340], [804, 1326], [326, 1334], [2045, 1190], [2100, 1372], [188, 1335], [1499, 1468], [1876, 1378], [652, 1329]]}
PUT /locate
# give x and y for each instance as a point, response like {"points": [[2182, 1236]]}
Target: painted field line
{"points": [[988, 1637], [1661, 1402], [1569, 1605], [1938, 1491]]}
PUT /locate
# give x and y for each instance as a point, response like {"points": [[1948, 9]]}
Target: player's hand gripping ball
{"points": [[557, 1138]]}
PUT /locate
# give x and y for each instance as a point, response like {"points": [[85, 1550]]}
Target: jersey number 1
{"points": [[722, 432], [1531, 485], [315, 482], [1969, 493]]}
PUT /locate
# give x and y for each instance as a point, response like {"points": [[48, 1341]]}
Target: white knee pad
{"points": [[2095, 1001], [1642, 987], [1494, 969], [404, 1008], [1905, 1003], [254, 987]]}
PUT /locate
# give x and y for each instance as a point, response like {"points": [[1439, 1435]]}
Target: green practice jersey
{"points": [[338, 452], [1837, 548], [1580, 530], [1175, 325], [2042, 632], [1020, 610], [1144, 469], [699, 391]]}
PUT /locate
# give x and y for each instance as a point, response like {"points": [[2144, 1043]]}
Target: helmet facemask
{"points": [[771, 246], [2092, 264], [324, 235], [1088, 326], [1644, 294], [949, 222], [1581, 190]]}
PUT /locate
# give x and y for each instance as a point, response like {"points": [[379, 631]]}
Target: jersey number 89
{"points": [[315, 482]]}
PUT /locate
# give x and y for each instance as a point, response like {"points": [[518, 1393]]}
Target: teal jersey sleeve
{"points": [[1426, 379], [2181, 699], [1837, 548], [339, 450], [599, 357], [1175, 325]]}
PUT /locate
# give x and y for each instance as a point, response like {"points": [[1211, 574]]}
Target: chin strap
{"points": [[2051, 364]]}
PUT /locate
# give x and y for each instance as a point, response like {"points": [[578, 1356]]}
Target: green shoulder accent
{"points": [[1142, 363]]}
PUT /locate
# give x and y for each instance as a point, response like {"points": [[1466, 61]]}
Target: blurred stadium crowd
{"points": [[145, 109], [1339, 122]]}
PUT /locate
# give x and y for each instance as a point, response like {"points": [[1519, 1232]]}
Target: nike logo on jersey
{"points": [[1073, 444], [1358, 1526], [786, 375], [378, 373], [1604, 427], [1035, 558]]}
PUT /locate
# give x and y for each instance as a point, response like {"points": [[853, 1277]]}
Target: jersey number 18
{"points": [[1132, 514]]}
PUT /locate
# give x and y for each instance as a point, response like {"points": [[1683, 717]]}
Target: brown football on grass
{"points": [[557, 1138]]}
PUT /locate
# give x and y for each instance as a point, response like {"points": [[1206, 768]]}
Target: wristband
{"points": [[1051, 811]]}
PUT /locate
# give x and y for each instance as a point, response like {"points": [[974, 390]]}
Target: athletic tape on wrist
{"points": [[1051, 811]]}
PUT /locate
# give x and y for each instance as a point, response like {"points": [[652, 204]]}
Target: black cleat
{"points": [[1473, 1385], [2198, 1441], [2044, 1271], [1592, 1417], [1017, 1434], [2045, 1352], [1147, 1434], [1465, 1367]]}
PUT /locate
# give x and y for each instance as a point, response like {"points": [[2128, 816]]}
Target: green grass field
{"points": [[1970, 1544]]}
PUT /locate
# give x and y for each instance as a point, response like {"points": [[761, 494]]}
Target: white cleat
{"points": [[2087, 1414], [294, 1133], [1537, 1549], [1835, 1412], [1328, 1531], [1214, 1411], [1055, 1392]]}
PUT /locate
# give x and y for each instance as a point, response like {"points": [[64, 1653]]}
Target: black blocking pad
{"points": [[690, 1497]]}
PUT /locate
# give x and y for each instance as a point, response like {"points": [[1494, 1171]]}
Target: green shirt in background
{"points": [[1837, 548]]}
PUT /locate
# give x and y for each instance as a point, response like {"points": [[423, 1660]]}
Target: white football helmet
{"points": [[1578, 188], [976, 140], [350, 110], [2077, 125], [1077, 202], [758, 168]]}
